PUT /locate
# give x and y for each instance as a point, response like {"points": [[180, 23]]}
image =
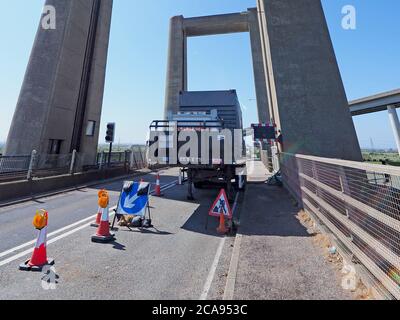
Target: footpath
{"points": [[276, 257]]}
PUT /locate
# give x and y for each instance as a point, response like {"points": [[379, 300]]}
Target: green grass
{"points": [[392, 159]]}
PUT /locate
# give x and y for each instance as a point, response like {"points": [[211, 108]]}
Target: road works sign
{"points": [[221, 205], [134, 199]]}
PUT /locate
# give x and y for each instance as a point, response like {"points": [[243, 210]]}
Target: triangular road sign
{"points": [[221, 205]]}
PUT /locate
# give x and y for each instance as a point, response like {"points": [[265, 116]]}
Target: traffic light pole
{"points": [[109, 155]]}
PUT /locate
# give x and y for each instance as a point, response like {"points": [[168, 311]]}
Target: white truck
{"points": [[218, 155]]}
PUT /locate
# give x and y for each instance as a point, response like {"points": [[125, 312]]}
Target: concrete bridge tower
{"points": [[60, 103], [307, 96]]}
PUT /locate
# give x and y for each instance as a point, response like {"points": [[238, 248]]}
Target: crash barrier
{"points": [[359, 203]]}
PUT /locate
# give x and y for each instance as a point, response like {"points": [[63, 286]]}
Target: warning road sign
{"points": [[221, 205]]}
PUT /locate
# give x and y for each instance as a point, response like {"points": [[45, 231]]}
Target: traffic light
{"points": [[110, 135]]}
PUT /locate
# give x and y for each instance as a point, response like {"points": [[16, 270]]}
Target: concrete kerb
{"points": [[234, 263], [78, 187]]}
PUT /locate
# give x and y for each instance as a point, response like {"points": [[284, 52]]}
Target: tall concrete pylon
{"points": [[60, 103], [181, 28], [307, 97]]}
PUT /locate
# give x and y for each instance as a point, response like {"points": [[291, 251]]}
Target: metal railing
{"points": [[358, 202], [14, 166], [270, 159], [45, 165]]}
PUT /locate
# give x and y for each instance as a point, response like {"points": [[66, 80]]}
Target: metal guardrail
{"points": [[358, 202], [45, 165], [14, 166], [270, 159]]}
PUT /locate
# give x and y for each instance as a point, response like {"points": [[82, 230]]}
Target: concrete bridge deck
{"points": [[181, 259]]}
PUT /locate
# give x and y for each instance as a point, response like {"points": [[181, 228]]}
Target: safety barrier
{"points": [[47, 165], [14, 166], [358, 202]]}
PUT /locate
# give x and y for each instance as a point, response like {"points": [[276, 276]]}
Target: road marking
{"points": [[211, 274], [233, 267], [22, 254], [5, 253]]}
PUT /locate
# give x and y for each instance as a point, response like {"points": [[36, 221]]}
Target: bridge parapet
{"points": [[359, 203]]}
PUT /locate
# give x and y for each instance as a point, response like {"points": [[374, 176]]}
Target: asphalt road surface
{"points": [[183, 258]]}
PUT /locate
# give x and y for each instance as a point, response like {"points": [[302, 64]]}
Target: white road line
{"points": [[211, 274], [5, 253], [22, 254], [233, 267]]}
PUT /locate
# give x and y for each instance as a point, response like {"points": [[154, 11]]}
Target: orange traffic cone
{"points": [[39, 256], [158, 187], [98, 219], [103, 201], [103, 234], [222, 229]]}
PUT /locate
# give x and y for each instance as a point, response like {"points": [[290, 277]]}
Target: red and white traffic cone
{"points": [[103, 234], [222, 229], [103, 202], [158, 187], [98, 219], [39, 257]]}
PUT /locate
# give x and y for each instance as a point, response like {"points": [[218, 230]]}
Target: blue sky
{"points": [[368, 59]]}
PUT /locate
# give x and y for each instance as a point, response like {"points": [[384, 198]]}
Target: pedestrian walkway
{"points": [[257, 172], [277, 257]]}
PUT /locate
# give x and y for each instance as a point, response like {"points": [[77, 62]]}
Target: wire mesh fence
{"points": [[45, 165], [358, 202], [14, 166], [135, 159], [270, 159]]}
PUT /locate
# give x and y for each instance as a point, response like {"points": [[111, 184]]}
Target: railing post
{"points": [[126, 163], [131, 159], [73, 159], [101, 160], [31, 163], [314, 171], [142, 164]]}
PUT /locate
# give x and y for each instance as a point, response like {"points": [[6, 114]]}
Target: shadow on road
{"points": [[200, 221], [118, 246], [147, 231], [117, 185], [270, 211]]}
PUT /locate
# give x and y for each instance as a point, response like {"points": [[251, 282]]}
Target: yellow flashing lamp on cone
{"points": [[39, 256], [104, 199], [40, 219]]}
